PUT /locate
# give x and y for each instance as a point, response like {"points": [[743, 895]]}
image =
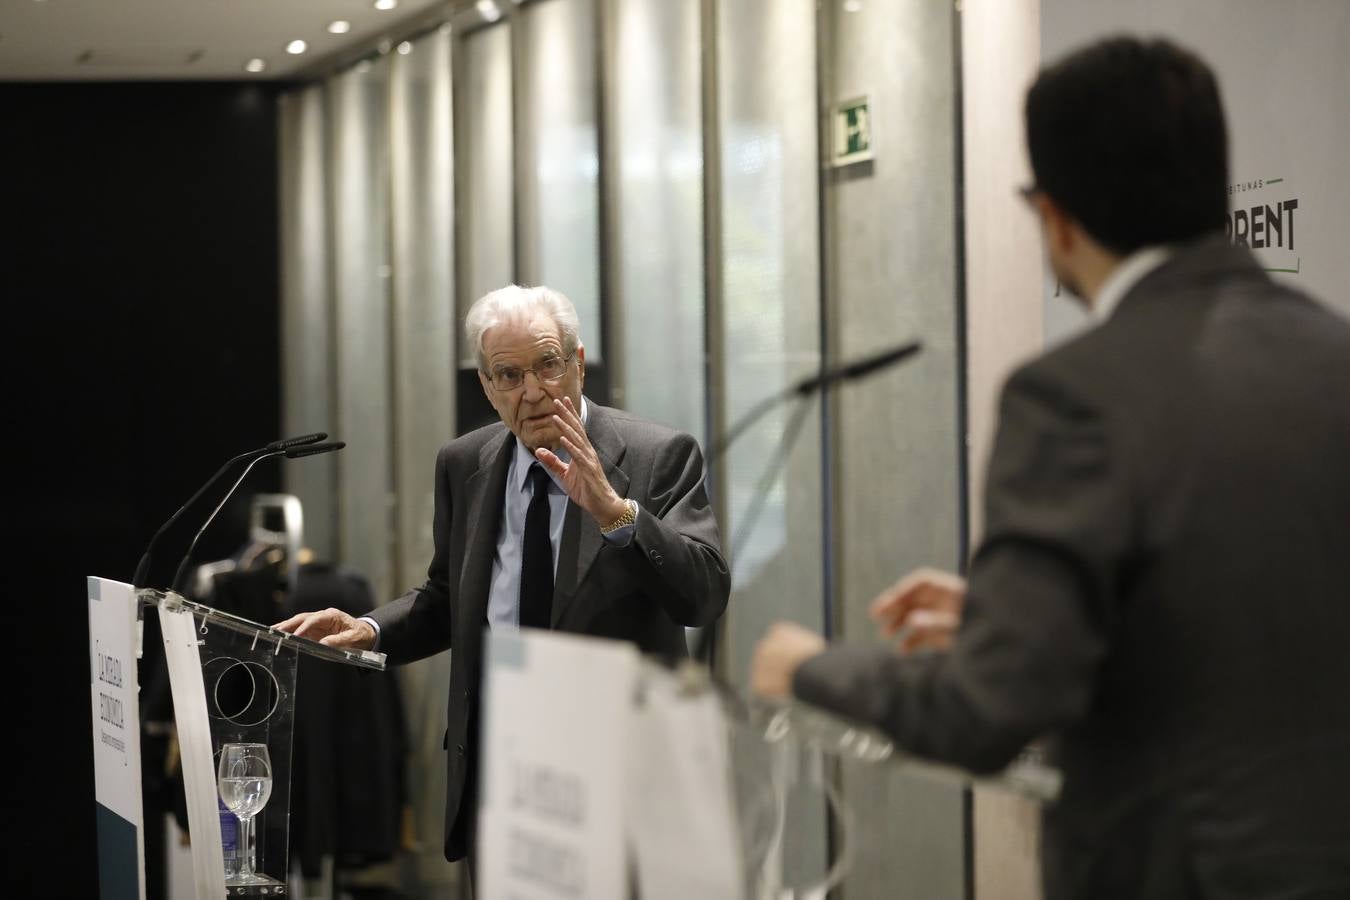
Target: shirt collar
{"points": [[520, 466], [1125, 276]]}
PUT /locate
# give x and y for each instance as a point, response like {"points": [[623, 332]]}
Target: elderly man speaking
{"points": [[566, 515]]}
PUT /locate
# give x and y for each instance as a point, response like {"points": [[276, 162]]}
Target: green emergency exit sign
{"points": [[852, 131]]}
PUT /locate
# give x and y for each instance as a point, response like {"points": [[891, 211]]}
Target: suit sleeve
{"points": [[1040, 607], [676, 551], [417, 624]]}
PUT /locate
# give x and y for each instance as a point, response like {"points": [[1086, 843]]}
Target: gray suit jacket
{"points": [[1164, 590], [672, 575]]}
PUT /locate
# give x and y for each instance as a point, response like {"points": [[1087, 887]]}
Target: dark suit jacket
{"points": [[1164, 588], [672, 575]]}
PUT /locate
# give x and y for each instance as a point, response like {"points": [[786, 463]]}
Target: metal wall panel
{"points": [[424, 344], [654, 129], [892, 263], [361, 269], [307, 311], [487, 228], [770, 334], [558, 163]]}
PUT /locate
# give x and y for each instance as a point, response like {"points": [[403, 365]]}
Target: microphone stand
{"points": [[802, 391]]}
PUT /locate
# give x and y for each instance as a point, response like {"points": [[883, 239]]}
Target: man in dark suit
{"points": [[1163, 588], [566, 515]]}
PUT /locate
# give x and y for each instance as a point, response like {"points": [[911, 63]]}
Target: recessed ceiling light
{"points": [[385, 4], [255, 65], [296, 47], [340, 26], [405, 48], [489, 10]]}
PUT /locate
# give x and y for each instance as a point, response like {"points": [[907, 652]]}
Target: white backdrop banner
{"points": [[1283, 73]]}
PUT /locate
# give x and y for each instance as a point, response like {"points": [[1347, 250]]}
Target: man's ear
{"points": [[581, 364], [1061, 229], [487, 386]]}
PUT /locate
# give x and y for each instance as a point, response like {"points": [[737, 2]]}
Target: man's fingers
{"points": [[323, 623], [924, 589], [341, 639], [575, 413], [309, 624], [893, 605], [897, 594], [587, 471], [550, 461], [576, 432], [289, 624], [930, 629]]}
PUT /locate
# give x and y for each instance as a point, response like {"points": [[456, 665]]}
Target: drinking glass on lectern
{"points": [[245, 786]]}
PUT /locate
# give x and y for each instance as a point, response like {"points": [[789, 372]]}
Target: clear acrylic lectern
{"points": [[234, 692]]}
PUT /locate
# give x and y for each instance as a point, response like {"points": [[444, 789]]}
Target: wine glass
{"points": [[245, 786]]}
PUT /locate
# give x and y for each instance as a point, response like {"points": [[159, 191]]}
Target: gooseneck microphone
{"points": [[287, 449], [827, 378], [143, 567], [810, 385], [856, 369]]}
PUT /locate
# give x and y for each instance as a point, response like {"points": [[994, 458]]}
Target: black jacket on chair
{"points": [[349, 771]]}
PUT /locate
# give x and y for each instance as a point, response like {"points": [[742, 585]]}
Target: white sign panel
{"points": [[117, 739], [555, 732], [179, 632], [679, 791]]}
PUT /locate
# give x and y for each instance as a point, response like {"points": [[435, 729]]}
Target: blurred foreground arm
{"points": [[1037, 617]]}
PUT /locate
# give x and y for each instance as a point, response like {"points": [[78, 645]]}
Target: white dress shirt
{"points": [[1125, 276]]}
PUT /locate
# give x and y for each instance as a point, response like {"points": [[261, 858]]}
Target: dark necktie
{"points": [[536, 568]]}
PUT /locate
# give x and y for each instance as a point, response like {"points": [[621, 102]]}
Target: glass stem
{"points": [[246, 845]]}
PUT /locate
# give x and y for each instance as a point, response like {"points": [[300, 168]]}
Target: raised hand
{"points": [[923, 608], [584, 477]]}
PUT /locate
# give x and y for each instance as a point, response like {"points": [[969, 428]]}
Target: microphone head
{"points": [[288, 443], [297, 452]]}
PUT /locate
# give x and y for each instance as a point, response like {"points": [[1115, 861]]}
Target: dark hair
{"points": [[1128, 137]]}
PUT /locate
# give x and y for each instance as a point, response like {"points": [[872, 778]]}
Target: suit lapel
{"points": [[486, 492], [581, 539]]}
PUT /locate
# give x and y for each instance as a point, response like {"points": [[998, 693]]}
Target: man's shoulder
{"points": [[635, 428], [1069, 362], [469, 446]]}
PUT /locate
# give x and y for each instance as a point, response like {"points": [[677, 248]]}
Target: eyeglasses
{"points": [[548, 369]]}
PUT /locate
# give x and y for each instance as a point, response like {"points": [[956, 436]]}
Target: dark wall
{"points": [[139, 273]]}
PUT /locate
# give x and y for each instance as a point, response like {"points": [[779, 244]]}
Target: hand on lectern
{"points": [[331, 627]]}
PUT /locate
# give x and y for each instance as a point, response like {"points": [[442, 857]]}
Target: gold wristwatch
{"points": [[628, 518]]}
